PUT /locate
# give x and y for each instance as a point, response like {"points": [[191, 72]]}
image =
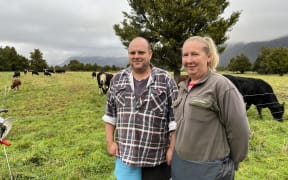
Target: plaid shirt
{"points": [[142, 124]]}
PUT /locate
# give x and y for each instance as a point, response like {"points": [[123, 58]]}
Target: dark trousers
{"points": [[161, 172], [192, 170]]}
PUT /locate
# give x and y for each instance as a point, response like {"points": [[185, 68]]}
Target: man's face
{"points": [[139, 55]]}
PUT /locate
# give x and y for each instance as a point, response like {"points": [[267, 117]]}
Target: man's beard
{"points": [[141, 69]]}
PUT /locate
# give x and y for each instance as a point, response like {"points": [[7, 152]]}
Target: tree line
{"points": [[10, 60], [269, 61]]}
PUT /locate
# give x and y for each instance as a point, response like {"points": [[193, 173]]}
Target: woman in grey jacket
{"points": [[212, 131]]}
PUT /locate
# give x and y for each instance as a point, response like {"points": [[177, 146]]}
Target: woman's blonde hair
{"points": [[209, 48]]}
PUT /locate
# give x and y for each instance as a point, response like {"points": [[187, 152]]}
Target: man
{"points": [[139, 121]]}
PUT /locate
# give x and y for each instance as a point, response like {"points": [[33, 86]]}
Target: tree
{"points": [[166, 24], [261, 64], [75, 65], [8, 57], [240, 63], [11, 61], [279, 60], [37, 62], [232, 64], [272, 60]]}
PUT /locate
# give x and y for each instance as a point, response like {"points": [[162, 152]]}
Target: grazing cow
{"points": [[16, 74], [103, 80], [15, 84], [46, 73], [60, 71], [35, 72], [49, 70], [93, 75], [25, 71], [260, 93]]}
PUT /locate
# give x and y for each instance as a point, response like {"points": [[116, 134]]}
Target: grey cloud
{"points": [[64, 28]]}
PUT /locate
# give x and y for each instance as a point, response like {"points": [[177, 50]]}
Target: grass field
{"points": [[58, 132]]}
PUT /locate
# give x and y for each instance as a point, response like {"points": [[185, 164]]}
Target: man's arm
{"points": [[171, 148], [112, 146]]}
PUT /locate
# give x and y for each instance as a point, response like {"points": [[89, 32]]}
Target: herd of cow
{"points": [[16, 82], [254, 91]]}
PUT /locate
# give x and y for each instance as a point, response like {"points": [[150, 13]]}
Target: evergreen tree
{"points": [[11, 61], [75, 65], [272, 61], [37, 62], [241, 63], [166, 24]]}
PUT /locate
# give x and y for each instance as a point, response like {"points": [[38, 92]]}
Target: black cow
{"points": [[35, 72], [49, 70], [46, 73], [260, 93], [93, 75], [103, 80], [16, 74], [60, 71]]}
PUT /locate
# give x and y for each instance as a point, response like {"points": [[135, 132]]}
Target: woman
{"points": [[212, 127]]}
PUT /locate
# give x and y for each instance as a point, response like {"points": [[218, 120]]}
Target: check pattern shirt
{"points": [[142, 124]]}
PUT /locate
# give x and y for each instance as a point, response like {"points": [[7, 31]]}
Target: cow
{"points": [[46, 73], [15, 84], [103, 80], [93, 75], [60, 71], [260, 93], [35, 72], [49, 70], [16, 74]]}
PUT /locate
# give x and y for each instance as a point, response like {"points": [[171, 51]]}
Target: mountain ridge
{"points": [[250, 49], [99, 60]]}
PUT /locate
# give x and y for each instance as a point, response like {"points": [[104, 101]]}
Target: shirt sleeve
{"points": [[110, 113], [172, 95]]}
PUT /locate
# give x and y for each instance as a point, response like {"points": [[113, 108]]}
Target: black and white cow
{"points": [[260, 93], [103, 80]]}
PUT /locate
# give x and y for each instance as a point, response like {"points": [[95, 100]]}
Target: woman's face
{"points": [[195, 59]]}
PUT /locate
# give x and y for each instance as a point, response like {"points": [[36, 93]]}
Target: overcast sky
{"points": [[65, 28]]}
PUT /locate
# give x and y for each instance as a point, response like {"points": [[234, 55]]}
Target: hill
{"points": [[251, 50]]}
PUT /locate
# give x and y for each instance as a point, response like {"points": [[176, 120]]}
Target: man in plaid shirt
{"points": [[139, 120]]}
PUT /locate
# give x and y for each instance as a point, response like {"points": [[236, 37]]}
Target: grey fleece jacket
{"points": [[211, 121]]}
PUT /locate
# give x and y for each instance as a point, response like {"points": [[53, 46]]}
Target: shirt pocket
{"points": [[159, 100], [202, 109], [121, 97], [206, 103]]}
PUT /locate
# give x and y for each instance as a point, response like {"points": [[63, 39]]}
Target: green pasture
{"points": [[58, 132]]}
